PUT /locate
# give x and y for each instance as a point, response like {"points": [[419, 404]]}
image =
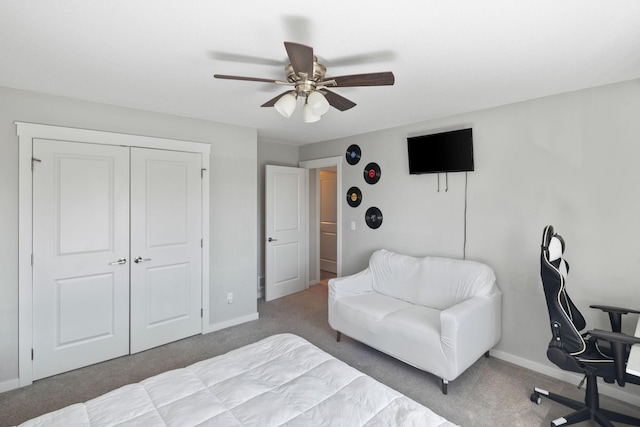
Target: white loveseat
{"points": [[437, 314]]}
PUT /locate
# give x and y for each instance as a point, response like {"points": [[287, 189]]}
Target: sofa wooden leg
{"points": [[338, 336], [445, 383], [486, 354]]}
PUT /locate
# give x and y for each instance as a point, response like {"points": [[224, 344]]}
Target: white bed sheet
{"points": [[280, 380]]}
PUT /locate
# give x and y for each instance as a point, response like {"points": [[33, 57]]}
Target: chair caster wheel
{"points": [[536, 398]]}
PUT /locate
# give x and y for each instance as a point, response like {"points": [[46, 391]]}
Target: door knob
{"points": [[120, 261], [139, 259], [271, 240]]}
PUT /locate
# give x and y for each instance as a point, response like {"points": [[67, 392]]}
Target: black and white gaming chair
{"points": [[595, 353]]}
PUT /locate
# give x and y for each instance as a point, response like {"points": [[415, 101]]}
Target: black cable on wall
{"points": [[464, 241]]}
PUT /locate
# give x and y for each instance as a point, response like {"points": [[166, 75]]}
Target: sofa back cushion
{"points": [[430, 281]]}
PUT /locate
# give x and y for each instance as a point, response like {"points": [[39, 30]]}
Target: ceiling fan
{"points": [[307, 77]]}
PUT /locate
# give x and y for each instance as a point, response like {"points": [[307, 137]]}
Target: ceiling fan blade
{"points": [[272, 102], [370, 79], [363, 58], [245, 59], [301, 57], [251, 79], [338, 101]]}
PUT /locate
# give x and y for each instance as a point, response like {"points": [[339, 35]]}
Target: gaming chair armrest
{"points": [[615, 315], [619, 351], [615, 337]]}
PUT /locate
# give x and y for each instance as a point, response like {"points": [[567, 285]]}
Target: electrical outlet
{"points": [[230, 298]]}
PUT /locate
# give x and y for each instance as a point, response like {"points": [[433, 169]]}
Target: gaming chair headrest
{"points": [[556, 247], [552, 244]]}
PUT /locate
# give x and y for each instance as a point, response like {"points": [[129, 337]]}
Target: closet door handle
{"points": [[120, 261], [271, 240], [139, 259]]}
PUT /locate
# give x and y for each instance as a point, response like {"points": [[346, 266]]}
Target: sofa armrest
{"points": [[355, 284], [470, 328]]}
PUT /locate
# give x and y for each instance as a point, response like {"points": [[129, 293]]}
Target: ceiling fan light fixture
{"points": [[318, 103], [307, 77], [307, 114], [286, 105]]}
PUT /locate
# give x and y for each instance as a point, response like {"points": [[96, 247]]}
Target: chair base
{"points": [[587, 410]]}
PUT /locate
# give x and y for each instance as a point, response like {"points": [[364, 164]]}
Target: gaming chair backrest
{"points": [[565, 320]]}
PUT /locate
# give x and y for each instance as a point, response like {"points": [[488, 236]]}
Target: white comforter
{"points": [[281, 380]]}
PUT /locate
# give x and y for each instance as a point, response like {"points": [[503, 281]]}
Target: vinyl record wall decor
{"points": [[372, 173], [373, 217], [353, 154], [354, 197]]}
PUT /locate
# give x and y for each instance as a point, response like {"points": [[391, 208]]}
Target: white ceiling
{"points": [[448, 56]]}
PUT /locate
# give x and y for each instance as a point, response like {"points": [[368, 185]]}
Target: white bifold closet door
{"points": [[97, 208], [166, 233]]}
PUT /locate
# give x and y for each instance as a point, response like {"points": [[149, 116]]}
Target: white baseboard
{"points": [[612, 391], [9, 385], [232, 322]]}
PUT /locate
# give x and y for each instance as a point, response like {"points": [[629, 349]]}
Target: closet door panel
{"points": [[81, 230], [166, 233]]}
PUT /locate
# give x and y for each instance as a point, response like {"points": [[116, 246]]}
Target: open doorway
{"points": [[325, 258], [328, 224]]}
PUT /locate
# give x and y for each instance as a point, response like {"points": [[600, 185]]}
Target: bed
{"points": [[280, 380]]}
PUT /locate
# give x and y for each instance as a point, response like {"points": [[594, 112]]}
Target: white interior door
{"points": [[81, 230], [166, 264], [286, 246], [328, 222]]}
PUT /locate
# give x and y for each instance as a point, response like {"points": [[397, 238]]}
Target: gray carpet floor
{"points": [[490, 393]]}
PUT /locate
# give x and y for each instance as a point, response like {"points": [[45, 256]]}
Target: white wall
{"points": [[570, 160], [233, 200]]}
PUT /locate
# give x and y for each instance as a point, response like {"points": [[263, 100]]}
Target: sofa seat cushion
{"points": [[413, 336], [416, 323], [369, 308]]}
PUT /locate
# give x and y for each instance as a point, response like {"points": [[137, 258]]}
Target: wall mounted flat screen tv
{"points": [[441, 152]]}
